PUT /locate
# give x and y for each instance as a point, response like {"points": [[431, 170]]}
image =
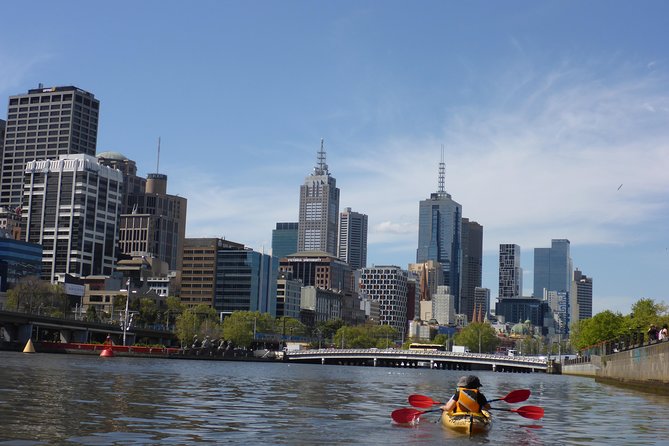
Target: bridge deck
{"points": [[414, 356]]}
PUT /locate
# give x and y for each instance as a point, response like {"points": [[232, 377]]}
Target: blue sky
{"points": [[544, 110]]}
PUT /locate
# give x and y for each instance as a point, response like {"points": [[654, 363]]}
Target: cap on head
{"points": [[469, 382]]}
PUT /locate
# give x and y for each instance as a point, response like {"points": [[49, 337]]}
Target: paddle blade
{"points": [[422, 401], [404, 416], [533, 412], [517, 396]]}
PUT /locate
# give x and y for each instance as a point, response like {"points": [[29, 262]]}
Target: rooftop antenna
{"points": [[442, 172], [158, 162], [322, 168]]}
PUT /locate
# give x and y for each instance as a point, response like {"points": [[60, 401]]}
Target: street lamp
{"points": [[126, 324]]}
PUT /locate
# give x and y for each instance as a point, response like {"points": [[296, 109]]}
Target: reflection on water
{"points": [[67, 399]]}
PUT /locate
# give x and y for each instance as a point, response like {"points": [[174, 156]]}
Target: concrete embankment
{"points": [[646, 366]]}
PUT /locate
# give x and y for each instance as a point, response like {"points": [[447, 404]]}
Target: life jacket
{"points": [[467, 400]]}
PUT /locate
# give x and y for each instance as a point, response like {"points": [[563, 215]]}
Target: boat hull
{"points": [[467, 422]]}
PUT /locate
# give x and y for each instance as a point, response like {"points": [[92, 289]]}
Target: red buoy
{"points": [[107, 353]]}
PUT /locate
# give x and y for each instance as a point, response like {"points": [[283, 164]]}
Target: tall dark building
{"points": [[472, 265], [284, 239], [353, 238], [440, 235], [44, 124]]}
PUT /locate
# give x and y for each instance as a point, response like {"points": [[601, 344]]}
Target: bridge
{"points": [[17, 328], [419, 358]]}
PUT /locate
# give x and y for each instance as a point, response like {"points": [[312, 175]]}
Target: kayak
{"points": [[467, 422]]}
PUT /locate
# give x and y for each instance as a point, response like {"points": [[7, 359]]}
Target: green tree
{"points": [[601, 327], [186, 327], [644, 313], [32, 295], [478, 333], [148, 311], [243, 327]]}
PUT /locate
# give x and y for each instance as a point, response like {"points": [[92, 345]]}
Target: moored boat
{"points": [[467, 422]]}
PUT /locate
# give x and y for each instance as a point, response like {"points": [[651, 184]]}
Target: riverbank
{"points": [[141, 351], [644, 367]]}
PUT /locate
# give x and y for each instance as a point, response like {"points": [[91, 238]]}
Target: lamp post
{"points": [[125, 323]]}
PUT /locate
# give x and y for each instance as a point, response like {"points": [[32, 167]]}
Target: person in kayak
{"points": [[467, 397]]}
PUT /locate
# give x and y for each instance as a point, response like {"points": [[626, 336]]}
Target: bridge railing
{"points": [[419, 354]]}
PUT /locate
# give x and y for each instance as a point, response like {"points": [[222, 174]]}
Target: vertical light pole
{"points": [[125, 316]]}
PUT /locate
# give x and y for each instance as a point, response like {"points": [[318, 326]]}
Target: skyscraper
{"points": [[44, 124], [71, 207], [387, 285], [580, 298], [319, 210], [284, 239], [156, 224], [552, 268], [439, 234], [472, 265], [353, 238], [510, 272]]}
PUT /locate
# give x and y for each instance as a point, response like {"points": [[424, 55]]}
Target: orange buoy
{"points": [[107, 353]]}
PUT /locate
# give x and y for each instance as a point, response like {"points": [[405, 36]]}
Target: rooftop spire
{"points": [[321, 168], [442, 173]]}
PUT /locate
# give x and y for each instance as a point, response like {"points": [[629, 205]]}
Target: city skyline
{"points": [[548, 134]]}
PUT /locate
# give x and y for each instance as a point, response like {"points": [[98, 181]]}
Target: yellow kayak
{"points": [[467, 422]]}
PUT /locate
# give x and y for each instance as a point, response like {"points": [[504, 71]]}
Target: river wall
{"points": [[646, 366]]}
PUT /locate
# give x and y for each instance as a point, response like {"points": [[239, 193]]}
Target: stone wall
{"points": [[646, 366]]}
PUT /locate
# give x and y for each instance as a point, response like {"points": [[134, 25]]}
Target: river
{"points": [[87, 400]]}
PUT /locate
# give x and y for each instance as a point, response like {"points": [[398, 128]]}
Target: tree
{"points": [[32, 295], [601, 327], [243, 327], [186, 327], [148, 311], [478, 334]]}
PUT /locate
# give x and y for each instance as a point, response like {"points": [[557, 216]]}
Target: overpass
{"points": [[418, 358], [16, 328]]}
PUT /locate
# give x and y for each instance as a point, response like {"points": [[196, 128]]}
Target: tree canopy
{"points": [[476, 332]]}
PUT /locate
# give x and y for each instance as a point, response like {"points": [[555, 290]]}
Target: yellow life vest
{"points": [[467, 400]]}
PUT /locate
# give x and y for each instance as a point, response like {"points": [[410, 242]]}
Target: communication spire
{"points": [[322, 167], [442, 173]]}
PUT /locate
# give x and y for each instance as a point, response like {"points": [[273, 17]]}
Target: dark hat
{"points": [[469, 382]]}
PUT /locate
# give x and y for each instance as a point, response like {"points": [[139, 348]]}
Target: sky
{"points": [[553, 116]]}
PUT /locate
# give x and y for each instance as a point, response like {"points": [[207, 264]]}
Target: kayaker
{"points": [[467, 397]]}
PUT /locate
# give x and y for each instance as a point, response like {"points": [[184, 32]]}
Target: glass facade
{"points": [[552, 268]]}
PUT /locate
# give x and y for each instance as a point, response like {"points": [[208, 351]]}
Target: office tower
{"points": [[552, 268], [18, 259], [245, 280], [481, 304], [228, 276], [288, 292], [44, 124], [443, 306], [472, 265], [319, 210], [198, 275], [132, 184], [353, 238], [71, 207], [580, 298], [521, 309], [388, 286], [430, 275], [439, 234], [510, 272], [319, 269], [284, 239], [156, 224]]}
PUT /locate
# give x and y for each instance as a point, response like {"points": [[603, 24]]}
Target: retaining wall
{"points": [[646, 366]]}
